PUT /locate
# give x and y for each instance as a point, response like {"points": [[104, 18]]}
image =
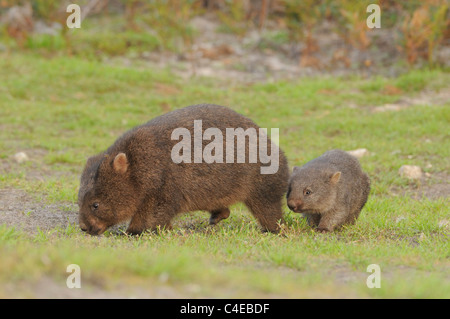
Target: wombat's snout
{"points": [[94, 231], [294, 205], [83, 227], [93, 228]]}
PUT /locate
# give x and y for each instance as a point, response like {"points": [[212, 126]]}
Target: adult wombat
{"points": [[330, 190], [137, 178]]}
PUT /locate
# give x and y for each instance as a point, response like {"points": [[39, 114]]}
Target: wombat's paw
{"points": [[214, 221], [218, 215], [273, 230], [133, 232], [323, 230]]}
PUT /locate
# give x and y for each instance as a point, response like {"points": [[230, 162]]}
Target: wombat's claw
{"points": [[214, 221], [132, 233]]}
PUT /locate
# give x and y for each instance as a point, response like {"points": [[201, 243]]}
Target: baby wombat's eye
{"points": [[95, 205], [307, 192]]}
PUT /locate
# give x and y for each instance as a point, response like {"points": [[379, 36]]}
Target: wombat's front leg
{"points": [[313, 219], [218, 214], [330, 221], [140, 223], [137, 225], [151, 218]]}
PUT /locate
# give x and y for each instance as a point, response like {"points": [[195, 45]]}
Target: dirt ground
{"points": [[259, 55], [20, 210]]}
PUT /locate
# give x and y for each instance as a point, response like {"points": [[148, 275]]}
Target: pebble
{"points": [[422, 237], [410, 172], [358, 153], [20, 157], [444, 223]]}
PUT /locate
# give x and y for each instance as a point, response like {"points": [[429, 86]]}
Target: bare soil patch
{"points": [[260, 55], [431, 186], [22, 211], [425, 98]]}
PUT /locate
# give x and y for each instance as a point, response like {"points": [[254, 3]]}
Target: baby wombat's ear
{"points": [[335, 177], [120, 163]]}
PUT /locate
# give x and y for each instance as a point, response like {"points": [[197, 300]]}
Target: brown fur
{"points": [[338, 190], [135, 179]]}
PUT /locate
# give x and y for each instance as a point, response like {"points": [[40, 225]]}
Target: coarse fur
{"points": [[136, 179], [330, 190]]}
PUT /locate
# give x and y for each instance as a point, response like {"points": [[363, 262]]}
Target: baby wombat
{"points": [[142, 179], [330, 190]]}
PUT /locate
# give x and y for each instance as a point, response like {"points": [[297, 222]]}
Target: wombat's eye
{"points": [[307, 192], [95, 205]]}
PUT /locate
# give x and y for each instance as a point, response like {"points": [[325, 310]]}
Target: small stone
{"points": [[444, 223], [422, 237], [358, 153], [274, 64], [388, 107], [20, 157], [410, 172]]}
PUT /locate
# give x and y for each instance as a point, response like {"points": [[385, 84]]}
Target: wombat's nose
{"points": [[294, 205], [83, 227]]}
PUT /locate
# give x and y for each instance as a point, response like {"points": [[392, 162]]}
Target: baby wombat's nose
{"points": [[294, 205]]}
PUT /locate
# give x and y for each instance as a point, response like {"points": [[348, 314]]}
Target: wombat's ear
{"points": [[120, 163], [335, 177]]}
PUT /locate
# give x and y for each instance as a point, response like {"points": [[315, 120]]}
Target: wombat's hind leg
{"points": [[268, 214], [218, 214]]}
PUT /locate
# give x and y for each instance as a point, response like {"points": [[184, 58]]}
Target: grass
{"points": [[63, 109]]}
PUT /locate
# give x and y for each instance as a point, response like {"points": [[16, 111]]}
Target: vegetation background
{"points": [[311, 68]]}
